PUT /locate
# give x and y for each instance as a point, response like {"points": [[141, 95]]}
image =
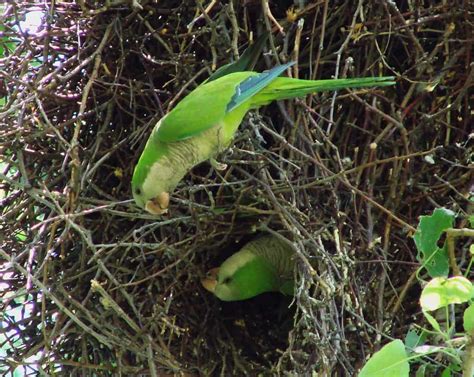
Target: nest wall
{"points": [[105, 289]]}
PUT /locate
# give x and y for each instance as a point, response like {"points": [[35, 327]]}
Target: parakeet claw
{"points": [[159, 204], [218, 165], [210, 281]]}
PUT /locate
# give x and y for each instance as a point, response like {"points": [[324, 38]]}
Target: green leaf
{"points": [[390, 361], [430, 229], [6, 44], [446, 372], [21, 236], [468, 318], [441, 292], [218, 211], [450, 369], [421, 372], [19, 371], [454, 366], [414, 339], [433, 322]]}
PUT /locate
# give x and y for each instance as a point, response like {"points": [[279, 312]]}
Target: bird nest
{"points": [[93, 285]]}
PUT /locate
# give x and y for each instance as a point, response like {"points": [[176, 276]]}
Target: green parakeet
{"points": [[265, 264], [206, 120]]}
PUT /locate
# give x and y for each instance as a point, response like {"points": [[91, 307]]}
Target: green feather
{"points": [[262, 265], [254, 84], [286, 87], [200, 110]]}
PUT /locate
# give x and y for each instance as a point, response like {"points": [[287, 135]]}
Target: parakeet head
{"points": [[148, 192], [150, 181], [242, 276]]}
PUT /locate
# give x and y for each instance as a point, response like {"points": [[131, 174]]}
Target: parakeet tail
{"points": [[286, 87]]}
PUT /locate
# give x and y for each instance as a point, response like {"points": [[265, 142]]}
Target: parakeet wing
{"points": [[208, 104], [252, 85], [201, 109]]}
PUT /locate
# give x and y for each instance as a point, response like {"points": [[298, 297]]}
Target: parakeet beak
{"points": [[159, 204], [210, 281]]}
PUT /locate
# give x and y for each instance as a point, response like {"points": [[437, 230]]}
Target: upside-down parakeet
{"points": [[206, 120], [265, 264]]}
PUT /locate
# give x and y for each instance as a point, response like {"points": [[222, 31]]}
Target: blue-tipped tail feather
{"points": [[254, 84]]}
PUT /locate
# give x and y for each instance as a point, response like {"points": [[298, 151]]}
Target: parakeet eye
{"points": [[227, 280], [138, 191]]}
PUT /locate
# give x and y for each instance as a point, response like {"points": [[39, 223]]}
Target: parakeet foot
{"points": [[218, 165]]}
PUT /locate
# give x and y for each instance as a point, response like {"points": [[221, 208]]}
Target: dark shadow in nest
{"points": [[259, 326]]}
